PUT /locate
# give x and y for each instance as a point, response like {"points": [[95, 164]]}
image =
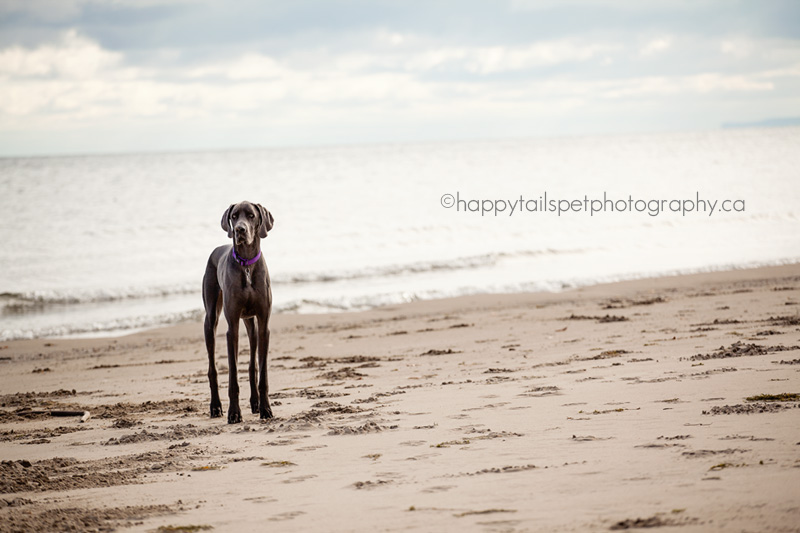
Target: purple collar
{"points": [[245, 262]]}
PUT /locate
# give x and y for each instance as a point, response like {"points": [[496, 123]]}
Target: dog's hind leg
{"points": [[212, 299], [250, 326]]}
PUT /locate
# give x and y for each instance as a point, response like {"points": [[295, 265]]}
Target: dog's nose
{"points": [[240, 229]]}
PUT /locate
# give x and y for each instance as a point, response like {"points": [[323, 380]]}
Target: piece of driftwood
{"points": [[85, 415]]}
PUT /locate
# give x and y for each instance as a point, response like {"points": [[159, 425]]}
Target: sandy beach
{"points": [[669, 402]]}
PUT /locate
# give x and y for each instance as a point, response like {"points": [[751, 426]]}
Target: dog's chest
{"points": [[253, 293], [253, 301]]}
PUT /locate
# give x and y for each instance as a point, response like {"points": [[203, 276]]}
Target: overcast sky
{"points": [[88, 76]]}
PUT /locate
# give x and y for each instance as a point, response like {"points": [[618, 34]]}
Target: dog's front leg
{"points": [[234, 413], [250, 325], [264, 410]]}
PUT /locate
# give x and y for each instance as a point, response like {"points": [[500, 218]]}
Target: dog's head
{"points": [[245, 221]]}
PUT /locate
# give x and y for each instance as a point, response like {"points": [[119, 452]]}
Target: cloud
{"points": [[655, 46], [249, 66], [74, 76], [739, 48], [495, 59], [390, 77], [74, 57], [698, 84], [77, 78]]}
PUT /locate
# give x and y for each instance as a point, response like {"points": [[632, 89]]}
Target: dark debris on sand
{"points": [[653, 521], [741, 349], [708, 453], [360, 485], [620, 303], [369, 427], [747, 409], [782, 397], [789, 320], [449, 351], [341, 374], [600, 319], [502, 470], [364, 361], [608, 354]]}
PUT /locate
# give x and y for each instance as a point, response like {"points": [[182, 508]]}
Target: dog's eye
{"points": [[251, 215]]}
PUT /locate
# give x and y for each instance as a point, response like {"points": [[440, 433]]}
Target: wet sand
{"points": [[670, 402]]}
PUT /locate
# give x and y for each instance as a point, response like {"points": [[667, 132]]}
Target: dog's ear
{"points": [[226, 221], [266, 221]]}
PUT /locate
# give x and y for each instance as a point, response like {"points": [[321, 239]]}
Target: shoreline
{"points": [[769, 270], [142, 323], [605, 407]]}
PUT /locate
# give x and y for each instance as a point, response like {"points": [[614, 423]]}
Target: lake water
{"points": [[94, 245]]}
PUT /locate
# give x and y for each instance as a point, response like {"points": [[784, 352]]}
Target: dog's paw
{"points": [[265, 413], [216, 410], [254, 405], [234, 416]]}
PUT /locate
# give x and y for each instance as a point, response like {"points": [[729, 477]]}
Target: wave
{"points": [[104, 328], [359, 303], [299, 306], [420, 267], [23, 302], [30, 300]]}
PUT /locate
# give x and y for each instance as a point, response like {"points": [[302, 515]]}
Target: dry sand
{"points": [[612, 407]]}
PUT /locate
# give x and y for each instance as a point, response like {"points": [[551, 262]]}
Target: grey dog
{"points": [[237, 280]]}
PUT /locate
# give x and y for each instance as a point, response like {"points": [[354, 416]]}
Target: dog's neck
{"points": [[247, 252]]}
